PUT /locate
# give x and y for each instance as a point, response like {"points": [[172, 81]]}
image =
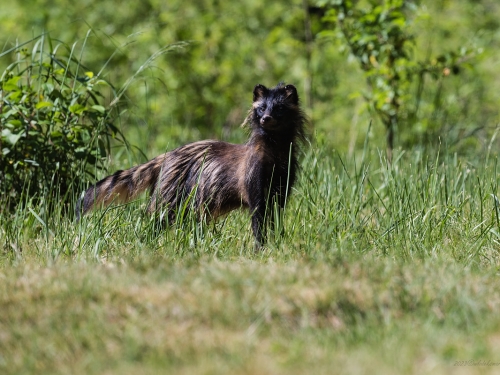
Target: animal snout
{"points": [[266, 120]]}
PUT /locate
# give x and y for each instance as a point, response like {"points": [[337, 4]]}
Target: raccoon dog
{"points": [[217, 176]]}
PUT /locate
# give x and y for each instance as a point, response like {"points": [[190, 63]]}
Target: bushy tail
{"points": [[122, 186]]}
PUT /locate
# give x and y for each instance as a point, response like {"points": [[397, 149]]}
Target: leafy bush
{"points": [[378, 35], [55, 129]]}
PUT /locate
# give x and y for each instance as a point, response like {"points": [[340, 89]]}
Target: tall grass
{"points": [[420, 207], [393, 265]]}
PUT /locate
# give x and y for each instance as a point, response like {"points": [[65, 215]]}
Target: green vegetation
{"points": [[378, 37], [206, 86], [385, 269], [55, 132], [388, 268]]}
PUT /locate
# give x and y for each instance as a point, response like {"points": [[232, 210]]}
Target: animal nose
{"points": [[265, 119]]}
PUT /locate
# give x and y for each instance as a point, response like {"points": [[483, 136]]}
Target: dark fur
{"points": [[226, 176]]}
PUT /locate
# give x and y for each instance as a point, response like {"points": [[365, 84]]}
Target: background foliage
{"points": [[205, 89], [378, 35], [55, 133]]}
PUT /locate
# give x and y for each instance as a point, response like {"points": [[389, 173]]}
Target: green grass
{"points": [[382, 269]]}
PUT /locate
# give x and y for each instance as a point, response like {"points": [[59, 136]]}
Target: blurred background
{"points": [[202, 88]]}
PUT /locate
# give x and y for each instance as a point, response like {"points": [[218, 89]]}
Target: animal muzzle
{"points": [[267, 121]]}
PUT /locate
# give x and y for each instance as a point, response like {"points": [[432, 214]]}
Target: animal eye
{"points": [[279, 109], [261, 109]]}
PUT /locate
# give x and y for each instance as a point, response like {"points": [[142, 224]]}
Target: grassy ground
{"points": [[382, 269]]}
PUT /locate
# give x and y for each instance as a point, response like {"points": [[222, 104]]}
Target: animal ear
{"points": [[259, 91], [291, 94]]}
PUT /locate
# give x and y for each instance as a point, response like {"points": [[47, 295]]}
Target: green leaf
{"points": [[32, 162], [14, 124], [77, 109], [55, 134], [99, 108], [11, 84], [10, 137], [43, 105]]}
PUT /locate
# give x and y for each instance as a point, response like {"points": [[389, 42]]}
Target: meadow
{"points": [[374, 266], [383, 268]]}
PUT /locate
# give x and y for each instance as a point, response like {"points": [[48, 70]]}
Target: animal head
{"points": [[276, 108]]}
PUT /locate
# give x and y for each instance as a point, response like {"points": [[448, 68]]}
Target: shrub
{"points": [[378, 35], [55, 129]]}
